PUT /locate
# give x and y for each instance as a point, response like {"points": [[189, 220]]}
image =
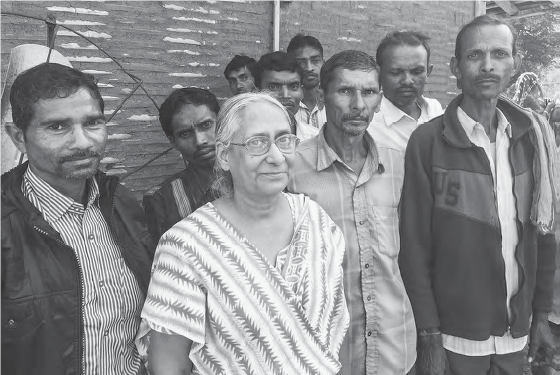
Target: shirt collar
{"points": [[469, 124], [53, 203], [319, 106], [326, 156], [391, 113]]}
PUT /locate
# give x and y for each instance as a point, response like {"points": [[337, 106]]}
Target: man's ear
{"points": [[222, 156], [430, 67], [454, 67], [171, 140], [320, 94], [17, 136], [378, 106]]}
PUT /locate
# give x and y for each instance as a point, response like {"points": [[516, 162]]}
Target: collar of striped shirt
{"points": [[54, 204], [327, 156]]}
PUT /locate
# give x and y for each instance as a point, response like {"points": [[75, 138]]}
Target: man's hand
{"points": [[431, 354], [540, 335]]}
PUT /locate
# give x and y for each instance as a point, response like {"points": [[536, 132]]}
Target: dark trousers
{"points": [[502, 364]]}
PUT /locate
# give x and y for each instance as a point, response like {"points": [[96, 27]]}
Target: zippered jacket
{"points": [[42, 329], [451, 257]]}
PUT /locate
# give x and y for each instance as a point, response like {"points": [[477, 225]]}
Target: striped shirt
{"points": [[243, 314], [502, 176], [382, 335], [315, 117], [111, 297]]}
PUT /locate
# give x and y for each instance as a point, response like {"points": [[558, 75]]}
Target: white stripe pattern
{"points": [[111, 299]]}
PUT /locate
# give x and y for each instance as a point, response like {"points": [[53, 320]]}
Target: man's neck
{"points": [[411, 109], [351, 149], [310, 97], [75, 189], [481, 111]]}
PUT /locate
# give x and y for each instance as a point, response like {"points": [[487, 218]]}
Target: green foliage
{"points": [[539, 41]]}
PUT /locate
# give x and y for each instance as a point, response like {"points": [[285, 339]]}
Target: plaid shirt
{"points": [[111, 298], [382, 334]]}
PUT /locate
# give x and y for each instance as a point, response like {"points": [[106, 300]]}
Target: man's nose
{"points": [[239, 84], [201, 138], [284, 92], [407, 78], [358, 102], [308, 66], [487, 63]]}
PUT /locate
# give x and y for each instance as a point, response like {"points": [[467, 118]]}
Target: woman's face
{"points": [[264, 175]]}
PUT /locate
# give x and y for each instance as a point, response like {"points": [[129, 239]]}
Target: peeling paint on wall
{"points": [[78, 11], [188, 52], [349, 39], [76, 46], [98, 72], [119, 136], [193, 19], [142, 118], [89, 34], [192, 75], [181, 40], [80, 23], [90, 59]]}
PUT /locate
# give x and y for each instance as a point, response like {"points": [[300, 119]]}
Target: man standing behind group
{"points": [[188, 118], [404, 62], [76, 252], [476, 204], [239, 74], [279, 73], [308, 53], [344, 171]]}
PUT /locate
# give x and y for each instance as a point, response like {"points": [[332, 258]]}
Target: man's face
{"points": [[240, 81], [193, 136], [351, 99], [403, 73], [286, 85], [486, 63], [65, 139], [311, 61]]}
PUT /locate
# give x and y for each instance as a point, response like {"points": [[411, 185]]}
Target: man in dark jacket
{"points": [[188, 118], [76, 251], [477, 256]]}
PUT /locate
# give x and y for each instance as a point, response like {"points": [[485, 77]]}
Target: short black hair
{"points": [[349, 59], [279, 62], [401, 38], [238, 62], [47, 81], [180, 97], [484, 20], [301, 41]]}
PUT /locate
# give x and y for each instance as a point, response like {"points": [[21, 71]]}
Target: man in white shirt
{"points": [[308, 53], [404, 60]]}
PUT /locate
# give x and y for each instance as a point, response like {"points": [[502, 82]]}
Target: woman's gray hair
{"points": [[227, 124]]}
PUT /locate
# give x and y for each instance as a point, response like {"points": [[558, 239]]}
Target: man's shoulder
{"points": [[166, 184]]}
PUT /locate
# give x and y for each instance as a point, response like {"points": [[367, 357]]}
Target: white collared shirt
{"points": [[502, 177], [315, 117], [391, 127], [305, 131]]}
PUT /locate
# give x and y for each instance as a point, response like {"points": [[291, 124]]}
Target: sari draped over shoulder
{"points": [[244, 314]]}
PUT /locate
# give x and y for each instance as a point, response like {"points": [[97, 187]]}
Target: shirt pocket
{"points": [[386, 230]]}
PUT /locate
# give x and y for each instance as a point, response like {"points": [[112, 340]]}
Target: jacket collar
{"points": [[518, 117]]}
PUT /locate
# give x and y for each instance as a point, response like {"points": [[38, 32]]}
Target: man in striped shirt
{"points": [[188, 118], [76, 251]]}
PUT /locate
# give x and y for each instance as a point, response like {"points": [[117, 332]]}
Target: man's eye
{"points": [[369, 92], [395, 72], [186, 134], [344, 91], [242, 78], [56, 127], [472, 55], [273, 87], [295, 86], [315, 61], [502, 54], [97, 122], [206, 125], [231, 81], [417, 72]]}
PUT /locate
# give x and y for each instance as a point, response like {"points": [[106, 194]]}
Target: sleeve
{"points": [[546, 267], [416, 253], [176, 303]]}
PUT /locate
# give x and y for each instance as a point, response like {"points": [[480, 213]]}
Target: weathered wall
{"points": [[174, 44], [341, 25]]}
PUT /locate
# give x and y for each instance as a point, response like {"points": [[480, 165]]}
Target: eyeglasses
{"points": [[260, 144]]}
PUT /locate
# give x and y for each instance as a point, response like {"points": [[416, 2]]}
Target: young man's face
{"points": [[65, 139], [487, 62], [240, 81], [193, 128], [403, 73], [286, 85], [311, 61]]}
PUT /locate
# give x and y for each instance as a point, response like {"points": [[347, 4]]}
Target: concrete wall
{"points": [[178, 44]]}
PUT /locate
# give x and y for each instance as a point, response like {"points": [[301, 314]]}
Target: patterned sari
{"points": [[244, 314]]}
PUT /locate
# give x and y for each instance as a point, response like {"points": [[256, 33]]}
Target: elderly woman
{"points": [[250, 283]]}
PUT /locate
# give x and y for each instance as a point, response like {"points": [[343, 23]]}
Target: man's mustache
{"points": [[407, 88], [80, 155], [485, 77], [351, 117]]}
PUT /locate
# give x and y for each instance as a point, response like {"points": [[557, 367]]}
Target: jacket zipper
{"points": [[499, 224], [81, 277]]}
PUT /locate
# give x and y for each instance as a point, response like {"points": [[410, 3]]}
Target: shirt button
{"points": [[369, 333], [369, 298], [90, 236], [11, 322], [101, 283], [361, 222], [367, 265], [106, 333]]}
